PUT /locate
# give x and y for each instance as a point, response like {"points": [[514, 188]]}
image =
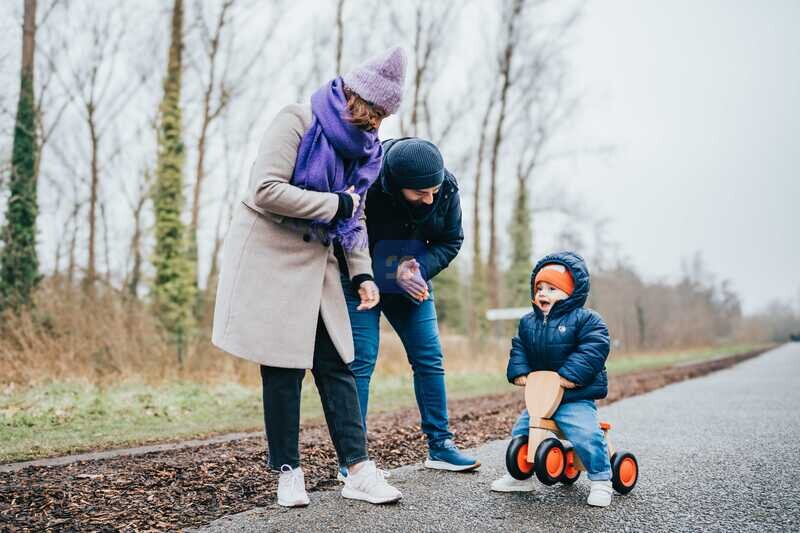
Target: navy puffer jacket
{"points": [[571, 340]]}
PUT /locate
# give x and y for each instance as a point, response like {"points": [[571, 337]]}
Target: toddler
{"points": [[561, 335]]}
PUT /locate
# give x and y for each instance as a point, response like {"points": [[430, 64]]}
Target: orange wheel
{"points": [[624, 472], [517, 458], [555, 462], [522, 460], [550, 461], [571, 472]]}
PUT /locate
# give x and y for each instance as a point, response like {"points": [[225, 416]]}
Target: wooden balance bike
{"points": [[552, 460]]}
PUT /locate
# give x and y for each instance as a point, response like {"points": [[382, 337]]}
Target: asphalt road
{"points": [[717, 453]]}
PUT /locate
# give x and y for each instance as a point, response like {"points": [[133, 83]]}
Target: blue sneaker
{"points": [[445, 456]]}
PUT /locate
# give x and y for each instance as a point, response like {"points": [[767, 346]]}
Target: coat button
{"points": [[306, 237]]}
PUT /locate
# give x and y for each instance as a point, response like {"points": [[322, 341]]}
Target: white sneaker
{"points": [[292, 487], [369, 484], [341, 475], [600, 494], [510, 484]]}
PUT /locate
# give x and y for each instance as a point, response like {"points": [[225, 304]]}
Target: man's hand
{"points": [[410, 279], [520, 381], [369, 294], [567, 384]]}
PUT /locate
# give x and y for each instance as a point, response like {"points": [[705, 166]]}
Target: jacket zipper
{"points": [[537, 342]]}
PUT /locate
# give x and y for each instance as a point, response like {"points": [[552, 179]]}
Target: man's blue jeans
{"points": [[580, 425], [419, 331]]}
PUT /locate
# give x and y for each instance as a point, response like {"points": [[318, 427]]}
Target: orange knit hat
{"points": [[556, 275]]}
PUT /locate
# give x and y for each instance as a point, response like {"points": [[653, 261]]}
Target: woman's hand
{"points": [[356, 198], [410, 279], [567, 384], [520, 381], [370, 295]]}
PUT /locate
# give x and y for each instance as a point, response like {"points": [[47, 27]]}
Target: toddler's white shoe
{"points": [[600, 494], [292, 487], [369, 484], [510, 484]]}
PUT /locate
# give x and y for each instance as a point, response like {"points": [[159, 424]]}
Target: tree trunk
{"points": [[134, 277], [209, 116], [91, 268], [518, 278], [19, 263], [419, 69], [640, 321], [478, 292], [73, 243], [493, 281], [173, 289], [198, 185], [339, 35], [136, 249], [106, 247]]}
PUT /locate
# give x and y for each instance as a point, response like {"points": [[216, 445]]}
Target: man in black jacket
{"points": [[414, 226]]}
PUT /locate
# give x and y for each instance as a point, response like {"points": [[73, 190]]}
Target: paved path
{"points": [[716, 453]]}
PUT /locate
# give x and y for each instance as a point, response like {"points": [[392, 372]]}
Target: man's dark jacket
{"points": [[396, 230]]}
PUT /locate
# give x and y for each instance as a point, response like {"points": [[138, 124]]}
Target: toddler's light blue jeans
{"points": [[580, 425]]}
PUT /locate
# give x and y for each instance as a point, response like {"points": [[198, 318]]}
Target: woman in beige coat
{"points": [[279, 300]]}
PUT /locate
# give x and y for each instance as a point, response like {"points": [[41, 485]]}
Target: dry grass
{"points": [[113, 338], [105, 339], [461, 354], [69, 335]]}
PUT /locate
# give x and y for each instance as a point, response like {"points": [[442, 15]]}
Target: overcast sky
{"points": [[701, 101]]}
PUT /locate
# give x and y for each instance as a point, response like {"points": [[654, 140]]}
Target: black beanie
{"points": [[414, 164]]}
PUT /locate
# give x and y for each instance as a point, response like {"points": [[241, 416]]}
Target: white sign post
{"points": [[508, 313]]}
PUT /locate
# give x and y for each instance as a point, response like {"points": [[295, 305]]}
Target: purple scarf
{"points": [[334, 155]]}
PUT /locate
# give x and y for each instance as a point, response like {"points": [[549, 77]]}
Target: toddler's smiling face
{"points": [[546, 296]]}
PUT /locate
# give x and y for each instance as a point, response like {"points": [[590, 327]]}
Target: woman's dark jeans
{"points": [[337, 389]]}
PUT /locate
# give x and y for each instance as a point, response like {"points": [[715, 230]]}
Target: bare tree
{"points": [[425, 25], [98, 92], [137, 206], [528, 107], [510, 39], [222, 73], [339, 34], [210, 110], [479, 285]]}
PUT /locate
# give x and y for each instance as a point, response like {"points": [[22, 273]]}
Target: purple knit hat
{"points": [[380, 80]]}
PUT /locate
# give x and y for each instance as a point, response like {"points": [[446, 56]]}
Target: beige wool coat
{"points": [[276, 278]]}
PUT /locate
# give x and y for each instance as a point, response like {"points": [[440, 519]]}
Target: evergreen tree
{"points": [[450, 298], [518, 276], [478, 325], [19, 265], [173, 288]]}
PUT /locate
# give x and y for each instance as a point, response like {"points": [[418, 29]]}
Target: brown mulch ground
{"points": [[190, 487]]}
